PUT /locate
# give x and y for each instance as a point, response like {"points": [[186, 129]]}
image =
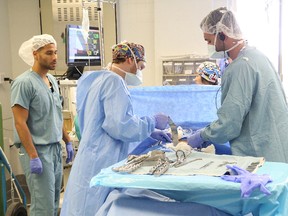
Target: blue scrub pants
{"points": [[44, 188]]}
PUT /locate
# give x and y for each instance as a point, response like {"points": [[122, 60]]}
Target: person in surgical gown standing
{"points": [[107, 124], [253, 116]]}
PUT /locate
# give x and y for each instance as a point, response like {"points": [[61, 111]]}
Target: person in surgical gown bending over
{"points": [[253, 115], [107, 125]]}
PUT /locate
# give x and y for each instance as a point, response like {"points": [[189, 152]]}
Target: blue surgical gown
{"points": [[107, 126], [254, 114]]}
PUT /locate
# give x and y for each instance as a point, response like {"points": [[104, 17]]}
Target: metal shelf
{"points": [[172, 75], [180, 71]]}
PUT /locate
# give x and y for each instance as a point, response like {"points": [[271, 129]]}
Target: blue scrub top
{"points": [[45, 111]]}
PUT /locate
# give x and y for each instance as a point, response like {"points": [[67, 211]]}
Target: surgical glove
{"points": [[249, 181], [144, 146], [161, 136], [70, 152], [161, 121], [195, 140], [36, 166]]}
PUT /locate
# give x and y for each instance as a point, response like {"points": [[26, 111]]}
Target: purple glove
{"points": [[70, 152], [36, 166], [161, 136], [249, 181], [161, 121], [195, 140]]}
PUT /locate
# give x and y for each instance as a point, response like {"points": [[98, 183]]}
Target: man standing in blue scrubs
{"points": [[36, 107]]}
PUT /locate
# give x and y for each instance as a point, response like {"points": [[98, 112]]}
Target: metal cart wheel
{"points": [[16, 209]]}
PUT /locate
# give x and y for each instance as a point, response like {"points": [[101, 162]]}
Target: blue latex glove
{"points": [[195, 140], [161, 136], [144, 146], [70, 152], [161, 121], [36, 166], [249, 181]]}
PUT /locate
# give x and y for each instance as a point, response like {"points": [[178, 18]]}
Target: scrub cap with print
{"points": [[122, 51], [209, 71]]}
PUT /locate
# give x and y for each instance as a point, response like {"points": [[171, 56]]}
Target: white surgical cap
{"points": [[221, 20], [33, 44]]}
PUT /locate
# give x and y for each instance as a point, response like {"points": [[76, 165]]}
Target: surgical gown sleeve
{"points": [[120, 121], [237, 93]]}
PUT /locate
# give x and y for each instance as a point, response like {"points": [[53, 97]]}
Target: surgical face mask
{"points": [[130, 78], [213, 54], [134, 79]]}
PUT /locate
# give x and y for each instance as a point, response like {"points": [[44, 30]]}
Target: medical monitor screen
{"points": [[80, 53]]}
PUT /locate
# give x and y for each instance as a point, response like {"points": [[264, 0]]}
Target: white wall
{"points": [[171, 27], [24, 22], [19, 20], [5, 62], [164, 28], [177, 30], [136, 24]]}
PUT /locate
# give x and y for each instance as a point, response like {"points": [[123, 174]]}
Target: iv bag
{"points": [[85, 24]]}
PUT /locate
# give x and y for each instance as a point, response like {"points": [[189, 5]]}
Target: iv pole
{"points": [[100, 24], [280, 41]]}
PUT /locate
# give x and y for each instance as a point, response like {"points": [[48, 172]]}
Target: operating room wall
{"points": [[19, 19], [170, 27], [165, 28], [5, 62]]}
